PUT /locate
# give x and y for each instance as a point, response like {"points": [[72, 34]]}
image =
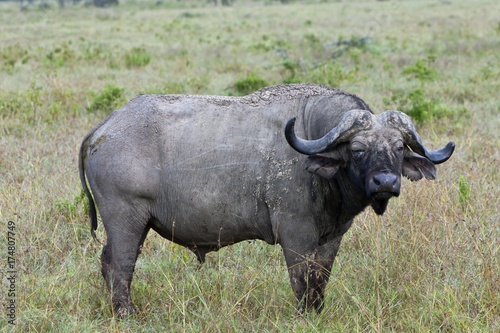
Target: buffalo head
{"points": [[373, 150]]}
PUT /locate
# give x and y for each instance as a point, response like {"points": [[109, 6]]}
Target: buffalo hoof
{"points": [[123, 311]]}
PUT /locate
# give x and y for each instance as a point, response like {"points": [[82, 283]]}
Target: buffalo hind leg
{"points": [[118, 260]]}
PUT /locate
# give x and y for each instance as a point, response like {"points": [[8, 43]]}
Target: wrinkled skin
{"points": [[207, 171]]}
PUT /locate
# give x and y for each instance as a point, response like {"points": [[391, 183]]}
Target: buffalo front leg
{"points": [[118, 260], [310, 272]]}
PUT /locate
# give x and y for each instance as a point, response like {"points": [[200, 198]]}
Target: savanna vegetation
{"points": [[430, 264]]}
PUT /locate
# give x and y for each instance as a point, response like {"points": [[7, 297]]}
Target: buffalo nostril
{"points": [[383, 186], [384, 182]]}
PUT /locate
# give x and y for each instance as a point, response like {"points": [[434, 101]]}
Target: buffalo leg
{"points": [[309, 273], [118, 260]]}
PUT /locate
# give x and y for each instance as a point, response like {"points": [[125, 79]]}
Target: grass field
{"points": [[430, 264]]}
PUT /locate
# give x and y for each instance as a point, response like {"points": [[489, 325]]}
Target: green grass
{"points": [[431, 264]]}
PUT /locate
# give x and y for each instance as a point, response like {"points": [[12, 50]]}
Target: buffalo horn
{"points": [[352, 122], [402, 122]]}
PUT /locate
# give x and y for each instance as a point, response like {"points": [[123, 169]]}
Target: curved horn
{"points": [[351, 122], [402, 122]]}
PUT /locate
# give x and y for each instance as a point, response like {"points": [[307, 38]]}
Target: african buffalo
{"points": [[210, 171]]}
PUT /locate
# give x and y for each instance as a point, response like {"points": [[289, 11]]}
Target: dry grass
{"points": [[430, 264]]}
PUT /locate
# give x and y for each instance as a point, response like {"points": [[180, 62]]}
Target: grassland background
{"points": [[430, 264]]}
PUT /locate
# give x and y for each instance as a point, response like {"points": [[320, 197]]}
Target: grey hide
{"points": [[210, 171]]}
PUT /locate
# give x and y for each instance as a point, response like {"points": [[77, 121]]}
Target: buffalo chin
{"points": [[379, 201], [379, 206]]}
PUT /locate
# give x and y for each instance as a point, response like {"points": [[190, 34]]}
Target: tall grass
{"points": [[430, 264]]}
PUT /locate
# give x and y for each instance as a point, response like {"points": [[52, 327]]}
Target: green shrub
{"points": [[354, 41], [13, 54], [312, 39], [415, 104], [267, 44], [249, 84], [12, 104], [418, 103], [60, 55], [293, 70], [137, 57], [343, 46], [421, 71], [190, 15], [107, 100]]}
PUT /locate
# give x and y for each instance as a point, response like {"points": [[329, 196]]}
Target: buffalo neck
{"points": [[347, 198]]}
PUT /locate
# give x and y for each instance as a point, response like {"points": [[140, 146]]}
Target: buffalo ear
{"points": [[322, 166], [415, 167]]}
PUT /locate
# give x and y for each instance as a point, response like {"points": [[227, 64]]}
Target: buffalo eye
{"points": [[400, 148], [357, 150], [358, 153]]}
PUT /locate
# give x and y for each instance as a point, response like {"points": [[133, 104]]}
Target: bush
{"points": [[293, 68], [137, 57], [418, 106], [13, 54], [107, 100], [249, 84], [421, 71], [60, 55]]}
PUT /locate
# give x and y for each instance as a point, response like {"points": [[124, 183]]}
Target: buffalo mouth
{"points": [[384, 195], [380, 200]]}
